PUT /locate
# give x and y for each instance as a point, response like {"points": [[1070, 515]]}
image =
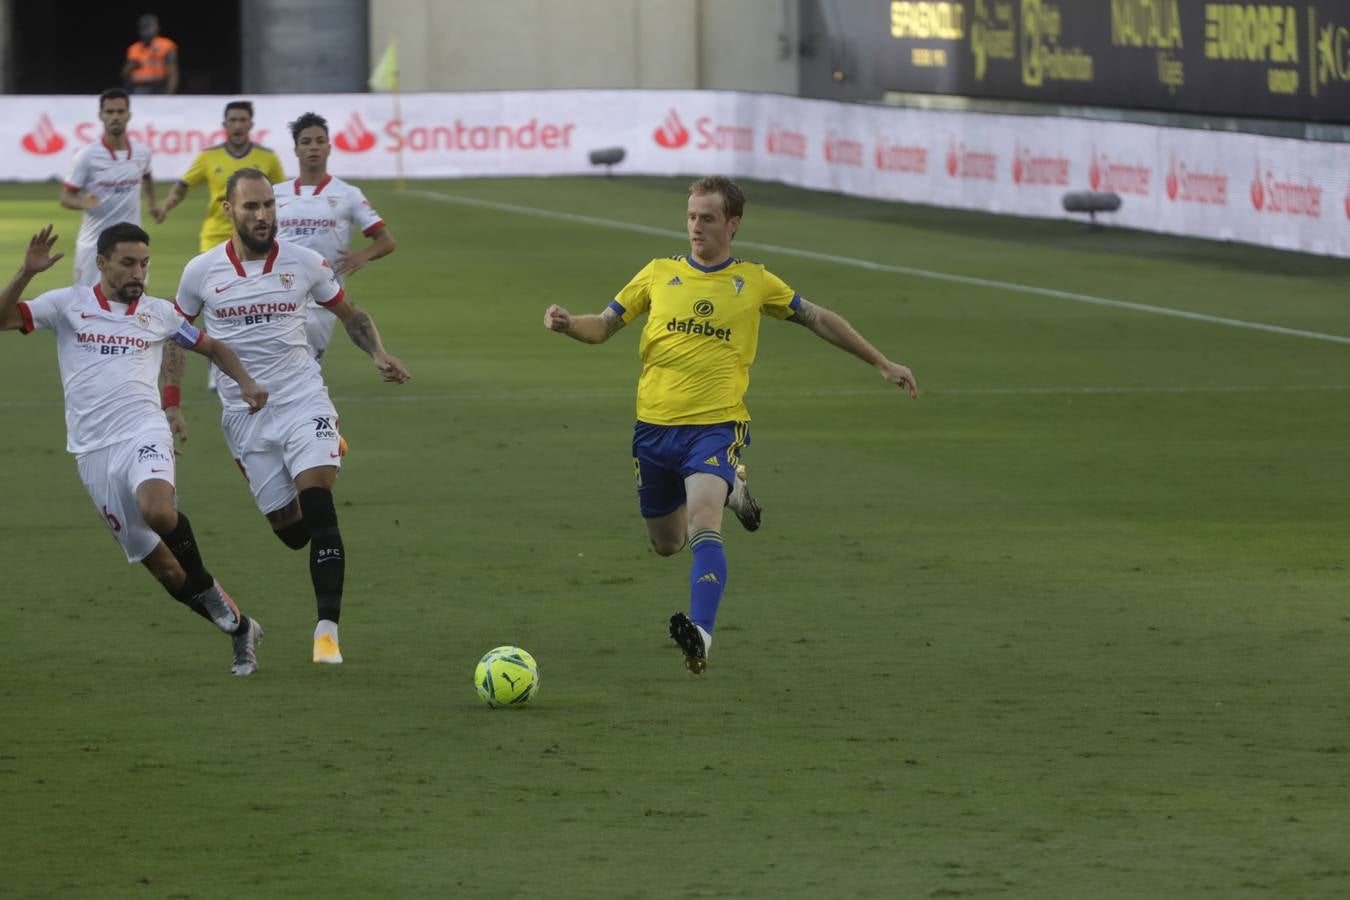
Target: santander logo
{"points": [[355, 137], [1272, 195], [782, 141], [901, 157], [672, 134], [1187, 185], [1120, 178], [709, 134], [1029, 168], [43, 139], [976, 164], [842, 151]]}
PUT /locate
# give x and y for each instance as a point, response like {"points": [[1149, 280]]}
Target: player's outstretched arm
{"points": [[587, 329], [176, 195], [361, 329], [148, 191], [36, 260], [223, 355], [834, 328]]}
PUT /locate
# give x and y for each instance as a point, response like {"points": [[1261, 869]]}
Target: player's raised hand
{"points": [[255, 395], [177, 424], [900, 376], [391, 368], [39, 257], [557, 319]]}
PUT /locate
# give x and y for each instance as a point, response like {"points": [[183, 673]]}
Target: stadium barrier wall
{"points": [[1278, 192]]}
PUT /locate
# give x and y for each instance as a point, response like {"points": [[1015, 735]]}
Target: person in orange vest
{"points": [[152, 62]]}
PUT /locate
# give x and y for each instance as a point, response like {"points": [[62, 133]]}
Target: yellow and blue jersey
{"points": [[701, 335], [214, 166]]}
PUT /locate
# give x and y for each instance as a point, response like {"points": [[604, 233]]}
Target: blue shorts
{"points": [[665, 455]]}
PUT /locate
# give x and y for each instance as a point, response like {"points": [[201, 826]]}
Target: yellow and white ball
{"points": [[506, 676]]}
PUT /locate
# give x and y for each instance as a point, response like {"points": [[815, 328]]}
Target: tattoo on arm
{"points": [[361, 329], [805, 314], [613, 321], [174, 363]]}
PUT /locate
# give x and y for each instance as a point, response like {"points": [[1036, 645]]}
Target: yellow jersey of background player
{"points": [[214, 166]]}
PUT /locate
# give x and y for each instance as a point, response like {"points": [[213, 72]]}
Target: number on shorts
{"points": [[112, 520]]}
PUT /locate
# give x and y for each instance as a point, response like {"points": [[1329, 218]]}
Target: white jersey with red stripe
{"points": [[321, 216], [114, 177], [258, 307], [110, 355]]}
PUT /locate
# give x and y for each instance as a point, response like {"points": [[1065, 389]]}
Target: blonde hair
{"points": [[733, 198]]}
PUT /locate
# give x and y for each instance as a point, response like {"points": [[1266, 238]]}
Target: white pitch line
{"points": [[1110, 391], [880, 391], [894, 270]]}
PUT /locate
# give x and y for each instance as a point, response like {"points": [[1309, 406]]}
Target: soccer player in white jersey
{"points": [[106, 182], [253, 289], [109, 340], [318, 211]]}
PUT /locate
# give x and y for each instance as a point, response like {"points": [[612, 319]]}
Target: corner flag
{"points": [[384, 77]]}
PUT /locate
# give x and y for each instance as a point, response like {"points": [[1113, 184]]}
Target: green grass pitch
{"points": [[1074, 624]]}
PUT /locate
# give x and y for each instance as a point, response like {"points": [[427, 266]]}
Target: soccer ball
{"points": [[506, 676]]}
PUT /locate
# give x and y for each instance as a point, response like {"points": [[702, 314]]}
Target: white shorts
{"points": [[319, 324], [279, 442], [86, 266], [112, 474]]}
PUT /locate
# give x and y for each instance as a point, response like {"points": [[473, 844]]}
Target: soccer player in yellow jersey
{"points": [[703, 313], [215, 165]]}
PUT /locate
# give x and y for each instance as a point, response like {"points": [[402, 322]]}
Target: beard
{"points": [[130, 292], [253, 243]]}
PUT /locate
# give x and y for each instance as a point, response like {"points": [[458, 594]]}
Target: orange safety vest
{"points": [[150, 60]]}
